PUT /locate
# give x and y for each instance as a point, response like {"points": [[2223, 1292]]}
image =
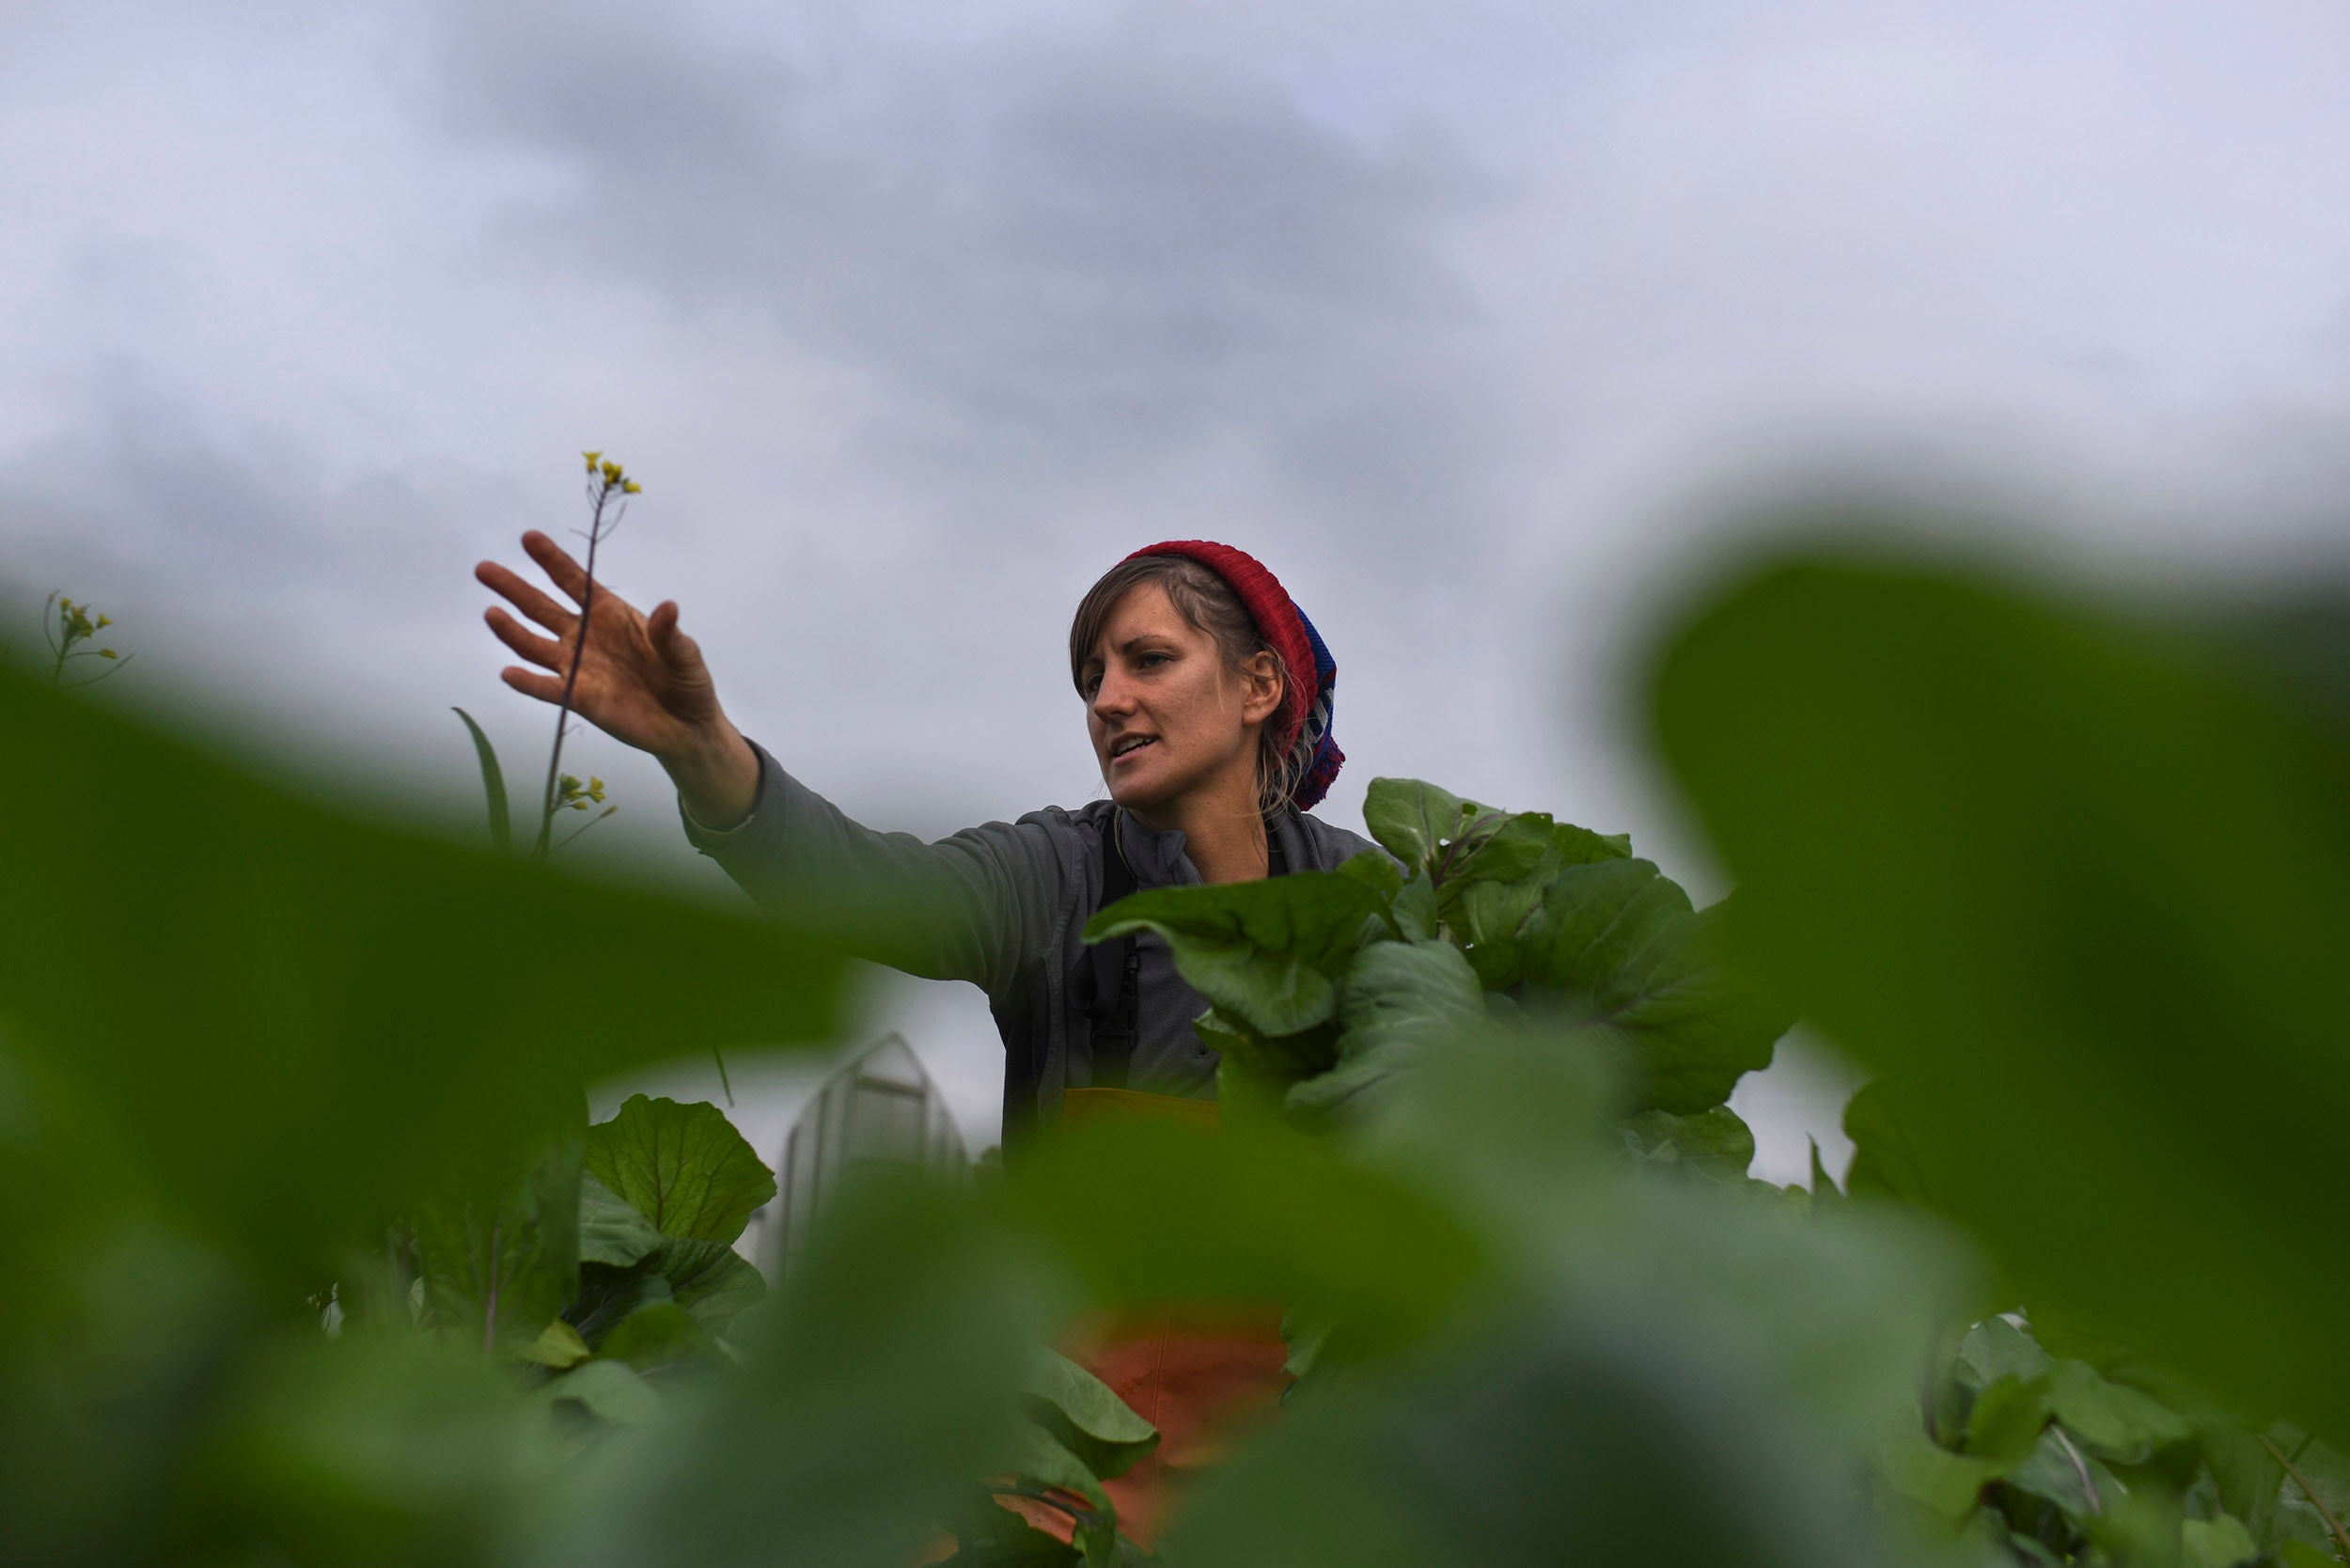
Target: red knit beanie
{"points": [[1307, 696]]}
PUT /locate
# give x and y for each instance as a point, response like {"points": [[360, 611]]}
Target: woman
{"points": [[1208, 701]]}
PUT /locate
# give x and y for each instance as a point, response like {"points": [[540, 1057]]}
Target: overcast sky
{"points": [[1479, 323]]}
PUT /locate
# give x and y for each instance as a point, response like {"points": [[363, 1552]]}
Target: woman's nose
{"points": [[1109, 697]]}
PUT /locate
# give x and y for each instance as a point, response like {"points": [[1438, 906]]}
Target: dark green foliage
{"points": [[2063, 881], [682, 1166], [281, 1018], [2078, 888], [1328, 986], [1268, 954]]}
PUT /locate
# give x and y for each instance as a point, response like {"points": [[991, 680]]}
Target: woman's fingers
{"points": [[530, 682], [557, 562], [538, 649], [523, 597], [677, 651]]}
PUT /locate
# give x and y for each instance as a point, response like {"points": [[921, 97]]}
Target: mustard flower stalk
{"points": [[65, 626], [608, 489]]}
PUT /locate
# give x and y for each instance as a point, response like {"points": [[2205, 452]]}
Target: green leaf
{"points": [[662, 1334], [1267, 953], [1715, 1144], [1400, 1001], [2007, 1419], [1543, 1438], [492, 786], [1412, 820], [2120, 1422], [2300, 1554], [1622, 944], [992, 1536], [1415, 909], [1496, 846], [1824, 1190], [611, 1231], [285, 1021], [606, 1295], [1950, 1484], [1487, 869], [878, 1393], [710, 1280], [682, 1166], [1084, 1415], [2045, 865], [1036, 1456], [559, 1346], [1253, 1068], [1376, 872], [2221, 1543], [368, 1448], [608, 1390], [497, 1272], [1885, 1162], [1996, 1349], [2062, 1475], [2325, 1470], [1149, 1212]]}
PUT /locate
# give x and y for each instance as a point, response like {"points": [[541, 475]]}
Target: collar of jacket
{"points": [[1159, 856]]}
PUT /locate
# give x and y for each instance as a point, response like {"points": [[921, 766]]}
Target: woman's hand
{"points": [[641, 680]]}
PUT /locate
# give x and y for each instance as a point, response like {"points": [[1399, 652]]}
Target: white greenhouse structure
{"points": [[881, 1109]]}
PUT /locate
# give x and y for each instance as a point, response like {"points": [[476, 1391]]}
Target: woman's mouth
{"points": [[1123, 749]]}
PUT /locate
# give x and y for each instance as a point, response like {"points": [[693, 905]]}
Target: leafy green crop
{"points": [[2079, 886], [315, 1259], [1329, 985], [2076, 884]]}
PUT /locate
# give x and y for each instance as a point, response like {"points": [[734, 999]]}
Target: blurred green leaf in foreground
{"points": [[2076, 884], [284, 1016], [238, 1034], [2068, 882]]}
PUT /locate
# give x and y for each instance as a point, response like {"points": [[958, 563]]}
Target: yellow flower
{"points": [[106, 620], [630, 487], [595, 790], [611, 472], [106, 653], [591, 458]]}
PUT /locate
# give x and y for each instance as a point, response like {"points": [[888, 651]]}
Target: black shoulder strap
{"points": [[1109, 984], [1109, 987]]}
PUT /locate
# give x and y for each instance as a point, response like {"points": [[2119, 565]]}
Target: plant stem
{"points": [[2342, 1537], [585, 826], [2080, 1469], [57, 652], [571, 679]]}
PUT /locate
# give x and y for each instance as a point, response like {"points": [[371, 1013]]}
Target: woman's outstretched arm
{"points": [[979, 905], [641, 679], [976, 906]]}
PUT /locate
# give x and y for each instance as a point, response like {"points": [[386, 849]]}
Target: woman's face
{"points": [[1167, 717]]}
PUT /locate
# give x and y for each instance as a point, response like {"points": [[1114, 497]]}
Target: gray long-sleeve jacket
{"points": [[1001, 906]]}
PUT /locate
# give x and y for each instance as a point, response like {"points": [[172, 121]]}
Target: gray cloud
{"points": [[1066, 264]]}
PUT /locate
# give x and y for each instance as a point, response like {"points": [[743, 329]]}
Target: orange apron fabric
{"points": [[1202, 1376]]}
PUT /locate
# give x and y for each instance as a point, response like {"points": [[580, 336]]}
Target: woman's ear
{"points": [[1261, 697]]}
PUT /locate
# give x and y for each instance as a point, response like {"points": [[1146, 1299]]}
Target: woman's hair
{"points": [[1208, 604]]}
